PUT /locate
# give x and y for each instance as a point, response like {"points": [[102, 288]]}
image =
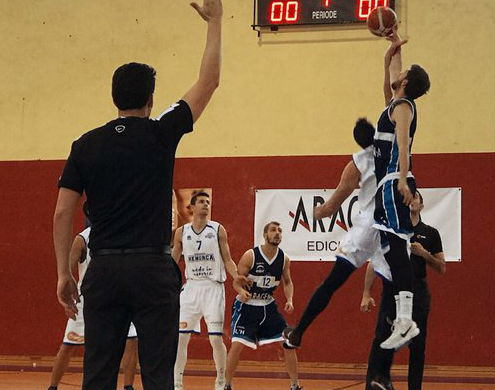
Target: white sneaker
{"points": [[403, 331], [178, 386]]}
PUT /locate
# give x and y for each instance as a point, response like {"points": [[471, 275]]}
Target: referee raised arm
{"points": [[125, 167]]}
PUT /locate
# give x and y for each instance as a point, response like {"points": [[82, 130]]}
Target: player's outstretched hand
{"points": [[211, 9], [289, 307], [68, 296], [367, 303], [405, 191]]}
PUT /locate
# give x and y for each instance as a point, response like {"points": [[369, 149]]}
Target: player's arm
{"points": [[402, 116], [395, 65], [63, 217], [245, 264], [209, 74], [229, 264], [349, 181], [367, 302], [288, 286], [177, 248], [77, 252]]}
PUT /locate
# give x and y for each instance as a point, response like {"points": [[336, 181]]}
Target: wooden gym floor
{"points": [[33, 373]]}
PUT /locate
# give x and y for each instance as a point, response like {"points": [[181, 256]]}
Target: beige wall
{"points": [[286, 94]]}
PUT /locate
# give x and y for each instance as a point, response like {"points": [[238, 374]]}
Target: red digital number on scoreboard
{"points": [[285, 12], [366, 6]]}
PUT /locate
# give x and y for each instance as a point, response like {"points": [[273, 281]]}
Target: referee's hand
{"points": [[68, 295]]}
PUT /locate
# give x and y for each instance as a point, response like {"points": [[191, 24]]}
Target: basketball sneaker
{"points": [[227, 387], [291, 337], [403, 330], [219, 384], [381, 383]]}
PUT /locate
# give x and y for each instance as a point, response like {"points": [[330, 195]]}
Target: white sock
{"points": [[180, 361], [397, 306], [406, 304], [219, 356]]}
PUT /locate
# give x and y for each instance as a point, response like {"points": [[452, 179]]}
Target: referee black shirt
{"points": [[126, 169], [430, 239]]}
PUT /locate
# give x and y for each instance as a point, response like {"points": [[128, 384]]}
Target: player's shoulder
{"points": [[213, 225]]}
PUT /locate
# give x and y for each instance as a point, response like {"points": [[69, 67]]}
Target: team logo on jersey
{"points": [[210, 235], [119, 128], [188, 238], [183, 325], [260, 269]]}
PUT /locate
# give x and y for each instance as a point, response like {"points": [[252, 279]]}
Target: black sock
{"points": [[319, 301]]}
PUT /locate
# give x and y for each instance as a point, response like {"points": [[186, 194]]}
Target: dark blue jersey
{"points": [[385, 140], [265, 274]]}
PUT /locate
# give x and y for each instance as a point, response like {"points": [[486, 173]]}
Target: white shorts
{"points": [[74, 331], [362, 243], [202, 298]]}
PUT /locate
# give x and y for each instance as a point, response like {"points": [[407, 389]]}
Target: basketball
{"points": [[381, 21]]}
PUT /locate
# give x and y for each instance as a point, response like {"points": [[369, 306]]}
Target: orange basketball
{"points": [[381, 21]]}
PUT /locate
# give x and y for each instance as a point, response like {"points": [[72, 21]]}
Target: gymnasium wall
{"points": [[280, 119]]}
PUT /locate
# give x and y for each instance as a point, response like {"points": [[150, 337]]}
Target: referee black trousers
{"points": [[380, 360], [118, 289]]}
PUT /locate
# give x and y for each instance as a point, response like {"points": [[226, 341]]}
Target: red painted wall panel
{"points": [[461, 329]]}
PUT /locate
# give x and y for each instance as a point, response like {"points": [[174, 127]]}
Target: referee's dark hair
{"points": [[364, 133], [197, 194], [132, 85], [418, 82]]}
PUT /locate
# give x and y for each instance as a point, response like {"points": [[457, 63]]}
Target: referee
{"points": [[426, 249], [125, 168]]}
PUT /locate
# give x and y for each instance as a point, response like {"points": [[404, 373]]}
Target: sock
{"points": [[397, 306], [219, 356], [180, 361], [405, 305], [322, 295]]}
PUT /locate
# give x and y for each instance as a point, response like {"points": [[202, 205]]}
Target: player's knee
{"points": [[216, 340]]}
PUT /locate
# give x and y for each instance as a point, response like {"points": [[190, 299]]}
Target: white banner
{"points": [[305, 239]]}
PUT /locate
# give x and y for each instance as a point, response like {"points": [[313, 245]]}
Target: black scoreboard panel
{"points": [[275, 13]]}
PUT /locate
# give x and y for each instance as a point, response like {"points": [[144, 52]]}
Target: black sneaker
{"points": [[291, 337], [227, 387], [381, 383], [128, 387], [297, 388]]}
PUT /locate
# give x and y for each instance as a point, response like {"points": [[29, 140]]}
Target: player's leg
{"points": [[181, 359], [220, 358], [380, 360], [421, 309], [400, 266], [129, 360], [60, 364], [290, 358], [213, 307], [233, 358], [189, 322], [320, 299], [244, 326]]}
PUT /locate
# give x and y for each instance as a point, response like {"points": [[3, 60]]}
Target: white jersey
{"points": [[83, 265], [202, 253], [365, 163]]}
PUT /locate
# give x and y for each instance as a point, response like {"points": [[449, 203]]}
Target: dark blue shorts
{"points": [[391, 214], [256, 325]]}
